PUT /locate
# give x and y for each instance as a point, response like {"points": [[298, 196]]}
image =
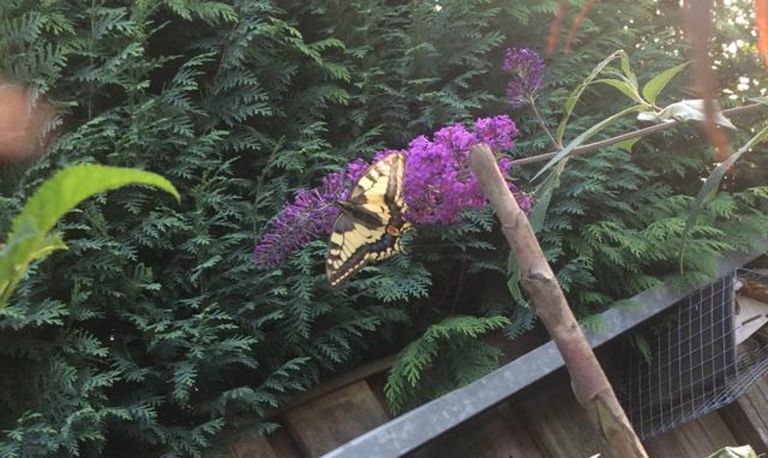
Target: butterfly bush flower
{"points": [[311, 213], [438, 183], [526, 68], [438, 187]]}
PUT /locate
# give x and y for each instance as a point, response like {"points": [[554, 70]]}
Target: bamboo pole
{"points": [[590, 386]]}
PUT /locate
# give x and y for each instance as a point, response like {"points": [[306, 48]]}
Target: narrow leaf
{"points": [[543, 197], [624, 86], [584, 136], [576, 94], [653, 88], [627, 145], [627, 69], [709, 188], [67, 188], [30, 238]]}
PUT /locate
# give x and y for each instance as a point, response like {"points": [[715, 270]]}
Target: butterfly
{"points": [[371, 220]]}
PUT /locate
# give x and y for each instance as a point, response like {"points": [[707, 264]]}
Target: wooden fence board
{"points": [[697, 439], [284, 445], [250, 445], [498, 433], [748, 416], [324, 423], [558, 424]]}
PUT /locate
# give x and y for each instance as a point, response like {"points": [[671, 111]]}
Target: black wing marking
{"points": [[353, 243]]}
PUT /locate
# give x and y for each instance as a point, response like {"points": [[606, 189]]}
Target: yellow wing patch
{"points": [[371, 220]]}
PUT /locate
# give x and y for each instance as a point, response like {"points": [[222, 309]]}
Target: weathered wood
{"points": [[748, 416], [497, 433], [325, 422], [347, 378], [697, 439], [558, 425], [246, 442], [589, 383], [250, 445], [741, 426], [284, 445]]}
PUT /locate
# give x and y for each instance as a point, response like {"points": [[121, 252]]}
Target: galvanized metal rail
{"points": [[414, 429]]}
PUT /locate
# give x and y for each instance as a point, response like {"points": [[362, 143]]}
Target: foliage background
{"points": [[155, 331]]}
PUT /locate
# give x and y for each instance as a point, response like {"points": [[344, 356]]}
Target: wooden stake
{"points": [[588, 381]]}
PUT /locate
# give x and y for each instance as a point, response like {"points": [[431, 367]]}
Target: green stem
{"points": [[557, 144]]}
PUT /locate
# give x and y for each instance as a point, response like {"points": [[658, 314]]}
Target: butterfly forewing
{"points": [[356, 240]]}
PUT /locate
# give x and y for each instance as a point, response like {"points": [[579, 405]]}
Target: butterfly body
{"points": [[371, 220]]}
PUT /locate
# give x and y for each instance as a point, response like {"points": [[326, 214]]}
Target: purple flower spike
{"points": [[438, 183], [438, 187], [498, 132], [310, 215], [356, 169], [527, 70]]}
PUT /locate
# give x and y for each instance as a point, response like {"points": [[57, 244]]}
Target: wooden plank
{"points": [[748, 416], [250, 445], [331, 420], [557, 423], [498, 433], [696, 439], [347, 378], [520, 442], [284, 445], [741, 425]]}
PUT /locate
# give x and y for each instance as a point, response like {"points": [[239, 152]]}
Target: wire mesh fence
{"points": [[693, 365]]}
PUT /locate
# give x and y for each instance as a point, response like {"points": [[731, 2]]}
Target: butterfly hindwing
{"points": [[371, 221]]}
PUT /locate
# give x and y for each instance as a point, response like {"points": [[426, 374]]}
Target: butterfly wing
{"points": [[378, 196]]}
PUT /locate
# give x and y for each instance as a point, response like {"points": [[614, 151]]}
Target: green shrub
{"points": [[155, 330]]}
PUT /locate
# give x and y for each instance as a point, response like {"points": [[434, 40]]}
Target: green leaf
{"points": [[67, 188], [543, 196], [709, 188], [627, 145], [653, 88], [409, 367], [624, 86], [576, 94], [513, 279], [627, 69], [30, 237], [584, 136]]}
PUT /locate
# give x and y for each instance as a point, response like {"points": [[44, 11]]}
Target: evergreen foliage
{"points": [[456, 334], [154, 332]]}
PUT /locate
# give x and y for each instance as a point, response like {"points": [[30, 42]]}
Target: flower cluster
{"points": [[311, 213], [438, 182], [526, 68], [438, 187]]}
